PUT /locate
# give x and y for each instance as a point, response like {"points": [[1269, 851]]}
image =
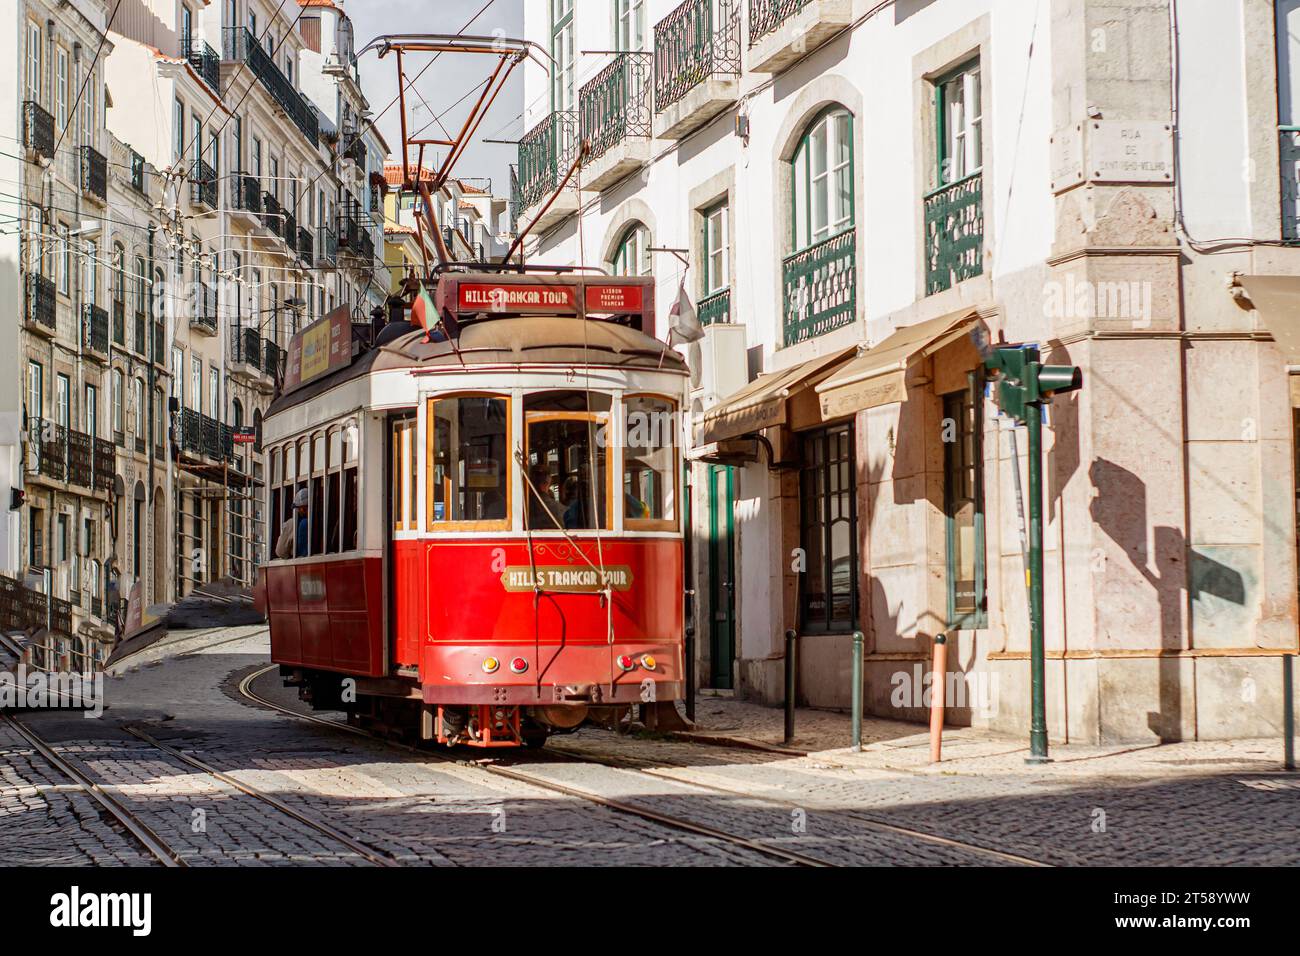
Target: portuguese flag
{"points": [[423, 312]]}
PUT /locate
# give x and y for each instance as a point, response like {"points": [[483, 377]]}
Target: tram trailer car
{"points": [[491, 545]]}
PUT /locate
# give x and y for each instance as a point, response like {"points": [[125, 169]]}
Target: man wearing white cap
{"points": [[292, 542]]}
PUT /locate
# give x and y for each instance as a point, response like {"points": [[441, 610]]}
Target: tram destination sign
{"points": [[319, 349], [621, 298], [583, 580]]}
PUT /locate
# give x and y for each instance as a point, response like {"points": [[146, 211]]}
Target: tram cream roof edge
{"points": [[1277, 300]]}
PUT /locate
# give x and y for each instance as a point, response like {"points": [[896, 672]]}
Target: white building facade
{"points": [[856, 194]]}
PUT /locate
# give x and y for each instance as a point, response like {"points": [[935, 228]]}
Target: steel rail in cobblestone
{"points": [[320, 826], [133, 824], [676, 823], [572, 753]]}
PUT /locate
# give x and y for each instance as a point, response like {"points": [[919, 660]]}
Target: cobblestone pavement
{"points": [[1212, 805]]}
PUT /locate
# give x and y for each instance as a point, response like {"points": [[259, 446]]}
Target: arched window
{"points": [[822, 173], [632, 257], [119, 425], [138, 412], [237, 414]]}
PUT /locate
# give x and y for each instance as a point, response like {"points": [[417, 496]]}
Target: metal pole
{"points": [[791, 681], [1288, 709], [1038, 718], [858, 642]]}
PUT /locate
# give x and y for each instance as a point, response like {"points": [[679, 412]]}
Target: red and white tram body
{"points": [[492, 543]]}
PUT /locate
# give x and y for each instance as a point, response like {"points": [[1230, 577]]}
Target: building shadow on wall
{"points": [[1119, 509]]}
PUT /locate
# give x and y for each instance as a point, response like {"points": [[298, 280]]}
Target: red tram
{"points": [[491, 548]]}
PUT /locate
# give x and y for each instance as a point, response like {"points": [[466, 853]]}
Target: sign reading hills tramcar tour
{"points": [[319, 349], [626, 299]]}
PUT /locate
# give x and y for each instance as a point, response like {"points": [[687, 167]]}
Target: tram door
{"points": [[722, 576], [402, 507]]}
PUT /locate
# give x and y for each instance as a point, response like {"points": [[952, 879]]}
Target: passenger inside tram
{"points": [[567, 458]]}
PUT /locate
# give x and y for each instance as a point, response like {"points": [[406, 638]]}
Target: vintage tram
{"points": [[486, 516]]}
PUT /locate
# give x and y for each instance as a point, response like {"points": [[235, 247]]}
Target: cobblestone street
{"points": [[281, 791]]}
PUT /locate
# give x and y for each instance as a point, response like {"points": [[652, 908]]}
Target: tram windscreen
{"points": [[567, 460], [470, 459]]}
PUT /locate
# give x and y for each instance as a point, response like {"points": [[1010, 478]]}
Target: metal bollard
{"points": [[858, 642], [791, 681], [938, 680]]}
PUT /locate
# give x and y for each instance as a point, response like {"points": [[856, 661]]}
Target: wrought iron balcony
{"points": [[103, 460], [200, 435], [715, 309], [765, 16], [137, 172], [80, 467], [304, 246], [94, 329], [545, 154], [616, 104], [245, 193], [203, 184], [289, 230], [47, 449], [241, 46], [273, 359], [94, 173], [119, 322], [356, 151], [328, 249], [41, 308], [697, 41], [38, 129], [204, 315], [820, 288], [246, 347], [272, 214], [954, 233], [1289, 154], [204, 60]]}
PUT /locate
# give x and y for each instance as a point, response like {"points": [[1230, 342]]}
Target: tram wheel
{"points": [[535, 741]]}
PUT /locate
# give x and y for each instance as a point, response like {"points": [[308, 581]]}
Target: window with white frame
{"points": [[716, 244], [629, 24], [822, 179], [196, 383], [61, 89], [960, 114], [119, 424], [562, 55], [32, 75], [632, 257]]}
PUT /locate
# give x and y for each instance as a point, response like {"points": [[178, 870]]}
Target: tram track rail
{"points": [[630, 765], [118, 810]]}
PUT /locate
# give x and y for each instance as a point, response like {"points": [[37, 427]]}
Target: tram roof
{"points": [[518, 340]]}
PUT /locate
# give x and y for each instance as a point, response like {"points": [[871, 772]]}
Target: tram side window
{"points": [[350, 489], [467, 468], [404, 501], [317, 514], [649, 464], [568, 460], [332, 509], [277, 473]]}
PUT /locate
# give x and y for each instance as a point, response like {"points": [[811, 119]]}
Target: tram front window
{"points": [[469, 460], [567, 457], [649, 463]]}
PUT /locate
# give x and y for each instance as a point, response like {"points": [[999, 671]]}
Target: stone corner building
{"points": [[859, 186]]}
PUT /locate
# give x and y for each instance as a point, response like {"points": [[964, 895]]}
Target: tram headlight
{"points": [[491, 665]]}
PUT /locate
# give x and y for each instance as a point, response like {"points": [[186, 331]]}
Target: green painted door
{"points": [[722, 581]]}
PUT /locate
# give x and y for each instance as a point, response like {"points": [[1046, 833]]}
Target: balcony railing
{"points": [[356, 151], [94, 173], [48, 443], [94, 329], [954, 233], [273, 358], [616, 104], [289, 230], [820, 287], [246, 347], [545, 154], [1289, 155], [80, 470], [102, 462], [38, 129], [698, 40], [119, 322], [137, 172], [204, 60], [272, 214], [203, 184], [328, 250], [204, 316], [245, 193], [765, 16], [204, 436], [715, 309], [304, 246], [41, 308], [241, 46]]}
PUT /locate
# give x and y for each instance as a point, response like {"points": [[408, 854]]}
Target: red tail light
{"points": [[518, 665], [627, 662]]}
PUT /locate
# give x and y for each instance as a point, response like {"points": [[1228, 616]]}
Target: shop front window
{"points": [[828, 531]]}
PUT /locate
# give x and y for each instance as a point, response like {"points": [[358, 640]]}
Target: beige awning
{"points": [[878, 375], [1277, 300], [762, 403]]}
